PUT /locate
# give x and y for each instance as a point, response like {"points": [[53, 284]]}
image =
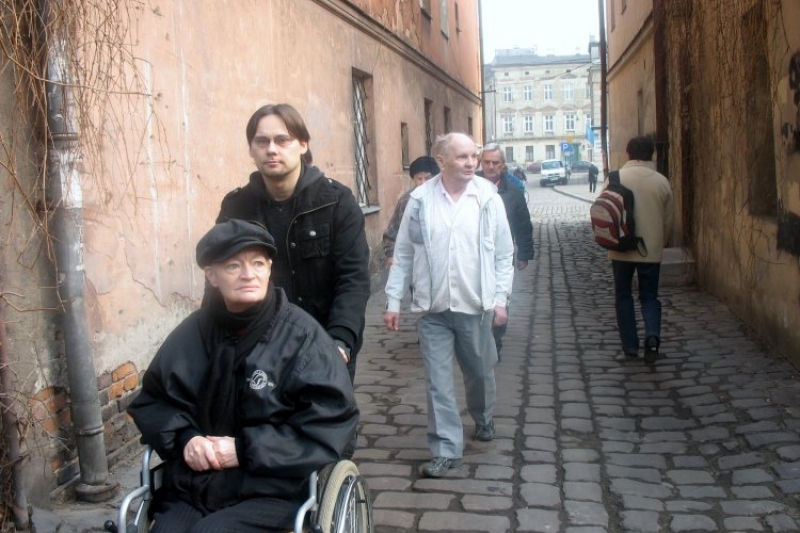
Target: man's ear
{"points": [[211, 276]]}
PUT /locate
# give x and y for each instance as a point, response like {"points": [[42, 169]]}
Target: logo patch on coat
{"points": [[261, 379]]}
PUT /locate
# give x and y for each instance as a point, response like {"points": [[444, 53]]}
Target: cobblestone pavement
{"points": [[706, 440]]}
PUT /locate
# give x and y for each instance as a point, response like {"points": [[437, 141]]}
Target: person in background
{"points": [[652, 211], [593, 173], [319, 227], [455, 242], [244, 399], [520, 174], [519, 218], [421, 170]]}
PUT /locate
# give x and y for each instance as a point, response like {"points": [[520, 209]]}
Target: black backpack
{"points": [[613, 224]]}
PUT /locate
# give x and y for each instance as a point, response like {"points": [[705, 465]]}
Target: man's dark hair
{"points": [[295, 124], [640, 149]]}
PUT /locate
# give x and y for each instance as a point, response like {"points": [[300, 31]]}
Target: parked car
{"points": [[581, 166], [535, 167], [554, 172]]}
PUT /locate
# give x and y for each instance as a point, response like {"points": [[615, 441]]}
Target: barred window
{"points": [[360, 128]]}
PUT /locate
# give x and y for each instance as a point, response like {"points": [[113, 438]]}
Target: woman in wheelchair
{"points": [[244, 399]]}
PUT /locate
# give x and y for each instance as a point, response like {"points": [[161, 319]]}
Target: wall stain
{"points": [[791, 132]]}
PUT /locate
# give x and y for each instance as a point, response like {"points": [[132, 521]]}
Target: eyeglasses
{"points": [[280, 140]]}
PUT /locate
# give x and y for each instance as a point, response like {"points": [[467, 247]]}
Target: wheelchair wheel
{"points": [[345, 505]]}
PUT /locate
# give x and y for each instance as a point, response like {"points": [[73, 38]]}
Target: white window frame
{"points": [[569, 92], [547, 90], [549, 122], [508, 124], [508, 94], [527, 92], [527, 123], [569, 122]]}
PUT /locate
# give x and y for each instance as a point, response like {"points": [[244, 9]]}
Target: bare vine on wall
{"points": [[107, 89], [735, 184]]}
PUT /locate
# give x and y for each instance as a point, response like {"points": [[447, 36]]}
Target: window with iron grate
{"points": [[362, 135]]}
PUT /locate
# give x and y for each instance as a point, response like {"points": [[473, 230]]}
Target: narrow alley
{"points": [[706, 440]]}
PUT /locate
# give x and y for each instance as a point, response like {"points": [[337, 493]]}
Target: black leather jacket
{"points": [[295, 402], [326, 246]]}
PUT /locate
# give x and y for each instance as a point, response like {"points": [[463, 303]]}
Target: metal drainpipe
{"points": [[482, 80], [661, 85], [64, 182], [19, 504], [603, 86]]}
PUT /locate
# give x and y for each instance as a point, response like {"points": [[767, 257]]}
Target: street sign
{"points": [[566, 148]]}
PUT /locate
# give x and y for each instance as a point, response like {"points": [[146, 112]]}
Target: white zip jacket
{"points": [[413, 249]]}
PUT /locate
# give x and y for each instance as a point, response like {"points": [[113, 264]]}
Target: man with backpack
{"points": [[652, 211]]}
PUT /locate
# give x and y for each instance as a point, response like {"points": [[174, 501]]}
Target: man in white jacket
{"points": [[652, 211], [455, 242]]}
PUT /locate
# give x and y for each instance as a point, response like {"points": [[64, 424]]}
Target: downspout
{"points": [[19, 503], [660, 68], [64, 183], [483, 81], [603, 87]]}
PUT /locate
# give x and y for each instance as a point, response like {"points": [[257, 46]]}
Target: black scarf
{"points": [[229, 338]]}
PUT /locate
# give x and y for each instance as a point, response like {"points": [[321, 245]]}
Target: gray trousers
{"points": [[468, 338]]}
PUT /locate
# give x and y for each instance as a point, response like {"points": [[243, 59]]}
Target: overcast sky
{"points": [[553, 26]]}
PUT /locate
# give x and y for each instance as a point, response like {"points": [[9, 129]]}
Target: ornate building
{"points": [[541, 106]]}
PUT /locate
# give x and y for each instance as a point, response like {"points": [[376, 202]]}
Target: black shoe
{"points": [[651, 349], [437, 466], [626, 356], [485, 433]]}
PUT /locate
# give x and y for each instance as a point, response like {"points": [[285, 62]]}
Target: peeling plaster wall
{"points": [[207, 70], [631, 100]]}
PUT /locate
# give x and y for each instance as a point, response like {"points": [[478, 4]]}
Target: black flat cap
{"points": [[228, 238], [423, 164]]}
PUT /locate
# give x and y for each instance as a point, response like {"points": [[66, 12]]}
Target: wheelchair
{"points": [[338, 501]]}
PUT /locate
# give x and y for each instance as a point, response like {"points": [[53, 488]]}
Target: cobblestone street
{"points": [[706, 440]]}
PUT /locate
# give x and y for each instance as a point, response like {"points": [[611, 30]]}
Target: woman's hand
{"points": [[200, 455], [225, 450]]}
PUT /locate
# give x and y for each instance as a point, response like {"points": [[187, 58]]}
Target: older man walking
{"points": [[454, 241]]}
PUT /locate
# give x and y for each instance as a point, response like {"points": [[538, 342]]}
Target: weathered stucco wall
{"points": [[631, 101], [747, 247], [205, 89], [622, 26]]}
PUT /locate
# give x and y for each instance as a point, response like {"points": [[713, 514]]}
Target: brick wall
{"points": [[51, 417], [116, 392]]}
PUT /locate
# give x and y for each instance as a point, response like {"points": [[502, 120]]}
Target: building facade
{"points": [[716, 84], [163, 109], [540, 107]]}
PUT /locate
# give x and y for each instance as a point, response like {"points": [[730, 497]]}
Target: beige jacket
{"points": [[652, 210]]}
